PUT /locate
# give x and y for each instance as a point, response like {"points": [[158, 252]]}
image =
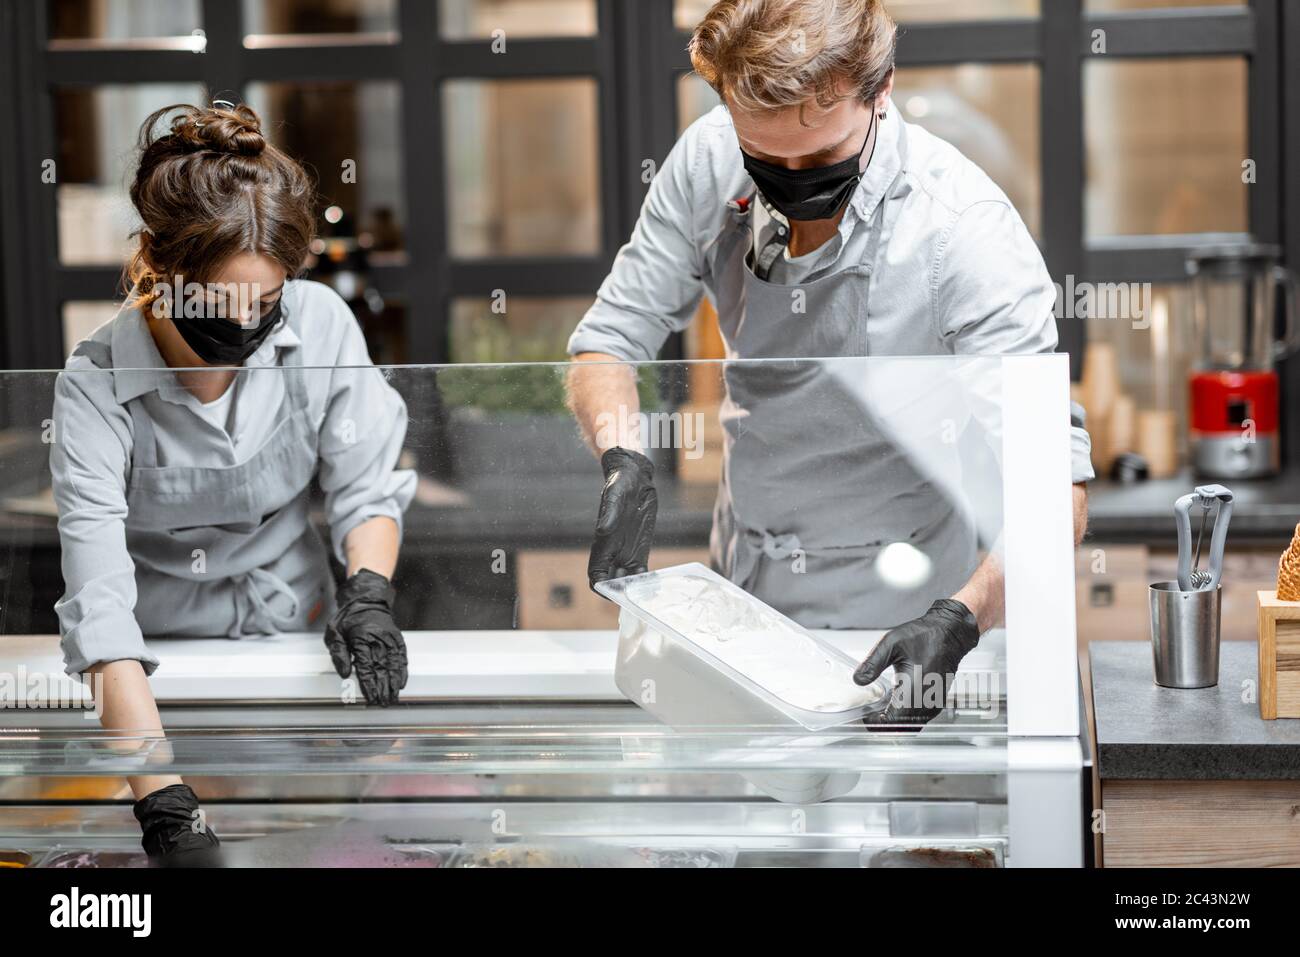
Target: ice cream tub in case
{"points": [[697, 651], [928, 853]]}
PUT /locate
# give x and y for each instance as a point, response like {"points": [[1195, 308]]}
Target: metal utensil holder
{"points": [[1185, 635]]}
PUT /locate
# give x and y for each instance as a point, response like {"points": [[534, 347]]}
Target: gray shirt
{"points": [[359, 418], [957, 272]]}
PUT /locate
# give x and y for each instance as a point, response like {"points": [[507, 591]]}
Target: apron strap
{"points": [[740, 213], [144, 444], [295, 381], [253, 593], [877, 227], [878, 217]]}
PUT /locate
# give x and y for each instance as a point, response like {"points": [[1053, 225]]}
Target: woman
{"points": [[189, 429]]}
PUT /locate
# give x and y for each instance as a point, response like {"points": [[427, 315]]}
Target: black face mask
{"points": [[220, 342], [808, 194]]}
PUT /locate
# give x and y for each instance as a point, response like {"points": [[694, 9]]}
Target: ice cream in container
{"points": [[697, 651]]}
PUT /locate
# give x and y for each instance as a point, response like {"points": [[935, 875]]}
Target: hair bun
{"points": [[222, 129], [208, 187]]}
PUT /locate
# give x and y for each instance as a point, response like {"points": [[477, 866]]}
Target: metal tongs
{"points": [[1191, 577]]}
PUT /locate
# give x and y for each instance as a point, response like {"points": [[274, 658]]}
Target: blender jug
{"points": [[1234, 387]]}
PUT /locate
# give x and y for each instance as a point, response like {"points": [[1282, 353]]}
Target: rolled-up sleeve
{"points": [[361, 439], [993, 296], [88, 462], [655, 285], [1080, 446]]}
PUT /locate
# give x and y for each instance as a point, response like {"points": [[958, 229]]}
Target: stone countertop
{"points": [[1153, 733]]}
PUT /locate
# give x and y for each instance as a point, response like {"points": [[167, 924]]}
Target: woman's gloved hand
{"points": [[174, 831], [625, 524], [925, 653], [363, 636]]}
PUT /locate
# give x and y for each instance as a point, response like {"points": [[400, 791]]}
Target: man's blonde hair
{"points": [[775, 54]]}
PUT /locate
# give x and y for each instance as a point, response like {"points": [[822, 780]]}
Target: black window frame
{"points": [[636, 58]]}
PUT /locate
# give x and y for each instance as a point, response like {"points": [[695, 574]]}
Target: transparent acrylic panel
{"points": [[1166, 140], [990, 113], [97, 128], [349, 136], [861, 490], [148, 24], [502, 491], [273, 23], [471, 19], [523, 173], [220, 545]]}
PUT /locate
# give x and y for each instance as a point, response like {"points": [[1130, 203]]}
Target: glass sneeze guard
{"points": [[503, 501]]}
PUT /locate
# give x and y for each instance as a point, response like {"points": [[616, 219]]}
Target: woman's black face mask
{"points": [[220, 342], [809, 194]]}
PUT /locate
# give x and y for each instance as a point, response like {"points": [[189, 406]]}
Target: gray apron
{"points": [[811, 488], [229, 551]]}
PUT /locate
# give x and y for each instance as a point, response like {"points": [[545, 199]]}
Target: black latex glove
{"points": [[172, 833], [626, 523], [363, 636], [925, 653]]}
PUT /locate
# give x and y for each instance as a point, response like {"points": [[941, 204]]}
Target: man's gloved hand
{"points": [[925, 653], [363, 635], [626, 523], [174, 832]]}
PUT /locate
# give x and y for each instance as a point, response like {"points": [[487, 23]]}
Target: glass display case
{"points": [[876, 486]]}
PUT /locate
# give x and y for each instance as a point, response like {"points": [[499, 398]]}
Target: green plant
{"points": [[525, 370]]}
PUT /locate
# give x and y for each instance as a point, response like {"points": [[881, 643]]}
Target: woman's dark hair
{"points": [[209, 187]]}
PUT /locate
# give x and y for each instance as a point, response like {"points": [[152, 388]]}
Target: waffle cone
{"points": [[1288, 571]]}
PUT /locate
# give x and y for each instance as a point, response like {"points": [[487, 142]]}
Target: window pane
{"points": [[80, 319], [687, 13], [920, 11], [348, 135], [96, 131], [467, 19], [1150, 355], [1166, 140], [383, 323], [1106, 6], [523, 172], [694, 99], [271, 22], [514, 328], [988, 112], [122, 20]]}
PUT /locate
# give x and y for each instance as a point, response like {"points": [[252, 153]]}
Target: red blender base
{"points": [[1234, 424]]}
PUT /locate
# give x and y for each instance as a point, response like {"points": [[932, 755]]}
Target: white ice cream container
{"points": [[697, 651]]}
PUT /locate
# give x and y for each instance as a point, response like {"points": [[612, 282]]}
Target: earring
{"points": [[882, 114]]}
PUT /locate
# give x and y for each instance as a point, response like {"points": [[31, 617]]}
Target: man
{"points": [[805, 186]]}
